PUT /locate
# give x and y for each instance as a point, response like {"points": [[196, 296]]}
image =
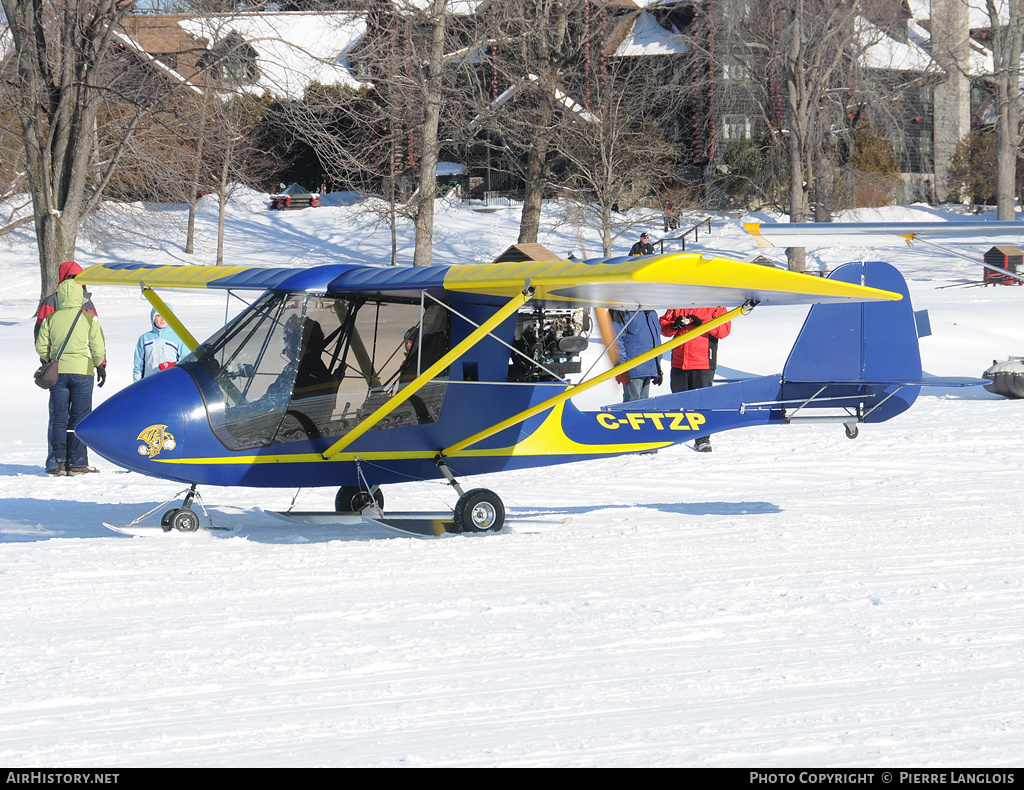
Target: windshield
{"points": [[295, 366]]}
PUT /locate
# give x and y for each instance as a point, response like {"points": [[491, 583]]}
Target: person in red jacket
{"points": [[694, 362]]}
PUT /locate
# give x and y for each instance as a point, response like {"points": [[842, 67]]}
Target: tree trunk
{"points": [[796, 256], [424, 219], [529, 223], [1006, 52], [824, 189], [222, 203], [190, 232]]}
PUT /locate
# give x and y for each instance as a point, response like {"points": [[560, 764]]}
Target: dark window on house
{"points": [[232, 60]]}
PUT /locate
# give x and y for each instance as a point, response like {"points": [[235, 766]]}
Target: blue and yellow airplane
{"points": [[358, 376]]}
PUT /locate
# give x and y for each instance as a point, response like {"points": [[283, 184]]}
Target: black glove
{"points": [[693, 321], [657, 380], [101, 375], [678, 323]]}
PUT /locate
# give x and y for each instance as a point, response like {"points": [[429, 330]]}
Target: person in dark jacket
{"points": [[71, 396], [694, 362], [642, 247], [638, 331]]}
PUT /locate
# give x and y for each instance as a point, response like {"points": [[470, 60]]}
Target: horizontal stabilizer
{"points": [[921, 381]]}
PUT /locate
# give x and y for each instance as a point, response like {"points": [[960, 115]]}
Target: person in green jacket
{"points": [[71, 396]]}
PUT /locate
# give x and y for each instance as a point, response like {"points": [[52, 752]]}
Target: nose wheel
{"points": [[182, 519]]}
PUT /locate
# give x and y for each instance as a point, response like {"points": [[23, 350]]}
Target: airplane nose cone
{"points": [[143, 424]]}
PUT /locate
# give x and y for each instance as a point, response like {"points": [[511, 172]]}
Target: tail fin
{"points": [[868, 344]]}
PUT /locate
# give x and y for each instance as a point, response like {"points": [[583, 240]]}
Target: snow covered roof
{"points": [[977, 14], [882, 51], [979, 58], [647, 37], [292, 49]]}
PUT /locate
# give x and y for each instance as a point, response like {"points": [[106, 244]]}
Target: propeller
{"points": [[601, 317]]}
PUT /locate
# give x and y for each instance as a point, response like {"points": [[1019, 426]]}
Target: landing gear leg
{"points": [[182, 519], [478, 510]]}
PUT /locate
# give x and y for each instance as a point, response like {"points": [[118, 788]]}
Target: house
{"points": [[278, 54], [930, 54]]}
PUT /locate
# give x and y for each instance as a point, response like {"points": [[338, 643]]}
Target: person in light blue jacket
{"points": [[157, 349]]}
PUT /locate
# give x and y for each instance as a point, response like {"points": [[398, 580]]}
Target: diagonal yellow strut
{"points": [[583, 386], [168, 315], [413, 386]]}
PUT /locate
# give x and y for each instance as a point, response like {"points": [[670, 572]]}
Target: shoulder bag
{"points": [[46, 375]]}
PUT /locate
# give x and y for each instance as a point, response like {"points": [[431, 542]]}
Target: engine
{"points": [[552, 338]]}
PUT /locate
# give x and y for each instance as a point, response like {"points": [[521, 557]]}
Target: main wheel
{"points": [[185, 521], [165, 520], [353, 499], [479, 510]]}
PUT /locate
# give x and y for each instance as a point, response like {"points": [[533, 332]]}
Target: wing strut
{"points": [[168, 315], [414, 386], [583, 386]]}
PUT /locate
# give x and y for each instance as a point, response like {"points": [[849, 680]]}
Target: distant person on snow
{"points": [[157, 349], [642, 247]]}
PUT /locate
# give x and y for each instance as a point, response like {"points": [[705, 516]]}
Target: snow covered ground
{"points": [[792, 599]]}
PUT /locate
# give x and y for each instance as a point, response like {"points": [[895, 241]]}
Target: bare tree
{"points": [[616, 155], [1007, 42], [536, 47], [793, 68], [386, 138], [67, 59]]}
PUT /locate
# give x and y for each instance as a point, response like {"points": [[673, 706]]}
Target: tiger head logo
{"points": [[155, 438]]}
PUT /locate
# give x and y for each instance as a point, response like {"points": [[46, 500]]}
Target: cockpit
{"points": [[296, 366]]}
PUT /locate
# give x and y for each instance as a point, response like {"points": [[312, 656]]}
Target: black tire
{"points": [[165, 520], [185, 521], [353, 499], [479, 510]]}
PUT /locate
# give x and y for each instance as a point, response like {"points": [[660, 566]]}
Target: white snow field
{"points": [[792, 599]]}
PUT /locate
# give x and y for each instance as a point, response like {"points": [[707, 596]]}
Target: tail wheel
{"points": [[852, 431], [353, 499], [479, 510]]}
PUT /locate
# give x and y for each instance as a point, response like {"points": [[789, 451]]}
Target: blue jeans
{"points": [[636, 389], [70, 402]]}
